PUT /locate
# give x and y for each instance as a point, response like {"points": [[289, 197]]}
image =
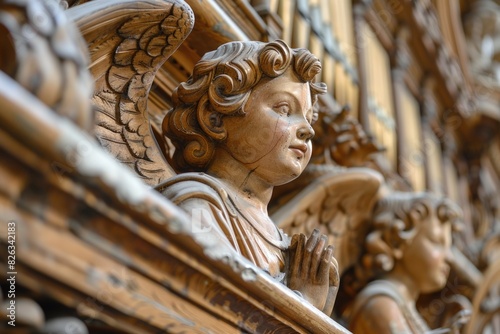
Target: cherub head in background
{"points": [[407, 252]]}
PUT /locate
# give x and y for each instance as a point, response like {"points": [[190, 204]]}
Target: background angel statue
{"points": [[241, 125], [407, 252]]}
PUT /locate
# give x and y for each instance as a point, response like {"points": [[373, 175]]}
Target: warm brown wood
{"points": [[53, 66], [213, 27], [405, 254], [485, 306], [359, 12], [267, 90], [128, 42], [338, 204], [134, 242], [273, 23], [250, 22], [126, 256], [100, 251]]}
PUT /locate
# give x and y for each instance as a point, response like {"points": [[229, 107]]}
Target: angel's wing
{"points": [[128, 41], [338, 204]]}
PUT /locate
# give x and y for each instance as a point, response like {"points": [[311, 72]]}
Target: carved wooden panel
{"points": [[381, 120]]}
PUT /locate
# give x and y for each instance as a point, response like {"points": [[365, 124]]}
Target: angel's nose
{"points": [[305, 132]]}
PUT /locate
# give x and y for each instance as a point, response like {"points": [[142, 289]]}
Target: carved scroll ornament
{"points": [[340, 139], [44, 52]]}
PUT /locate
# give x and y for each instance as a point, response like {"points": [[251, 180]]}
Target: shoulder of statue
{"points": [[202, 186], [382, 287], [377, 288]]}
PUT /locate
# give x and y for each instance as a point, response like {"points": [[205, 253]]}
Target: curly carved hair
{"points": [[220, 85], [397, 219]]}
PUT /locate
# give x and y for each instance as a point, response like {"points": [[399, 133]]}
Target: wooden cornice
{"points": [[213, 27], [426, 44], [246, 17], [380, 28], [433, 54]]}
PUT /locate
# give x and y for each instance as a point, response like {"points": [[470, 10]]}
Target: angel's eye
{"points": [[282, 108]]}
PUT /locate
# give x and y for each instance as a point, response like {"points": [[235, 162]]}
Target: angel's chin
{"points": [[289, 178]]}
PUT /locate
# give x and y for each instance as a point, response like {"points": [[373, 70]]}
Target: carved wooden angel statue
{"points": [[240, 126], [406, 253]]}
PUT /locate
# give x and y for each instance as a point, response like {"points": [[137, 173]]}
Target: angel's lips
{"points": [[300, 149]]}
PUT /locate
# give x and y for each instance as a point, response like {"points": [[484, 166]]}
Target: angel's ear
{"points": [[396, 238], [415, 215], [401, 243], [212, 124]]}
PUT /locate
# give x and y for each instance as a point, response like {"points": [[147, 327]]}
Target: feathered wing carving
{"points": [[128, 41], [339, 205]]}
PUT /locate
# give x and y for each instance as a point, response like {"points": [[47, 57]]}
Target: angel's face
{"points": [[426, 258], [273, 139]]}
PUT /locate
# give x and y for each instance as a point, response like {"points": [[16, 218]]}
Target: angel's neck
{"points": [[243, 182], [404, 284]]}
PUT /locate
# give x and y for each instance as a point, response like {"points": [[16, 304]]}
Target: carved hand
{"points": [[458, 321], [312, 270]]}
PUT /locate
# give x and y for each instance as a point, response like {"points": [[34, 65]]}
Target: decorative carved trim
{"points": [[486, 302], [45, 53]]}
